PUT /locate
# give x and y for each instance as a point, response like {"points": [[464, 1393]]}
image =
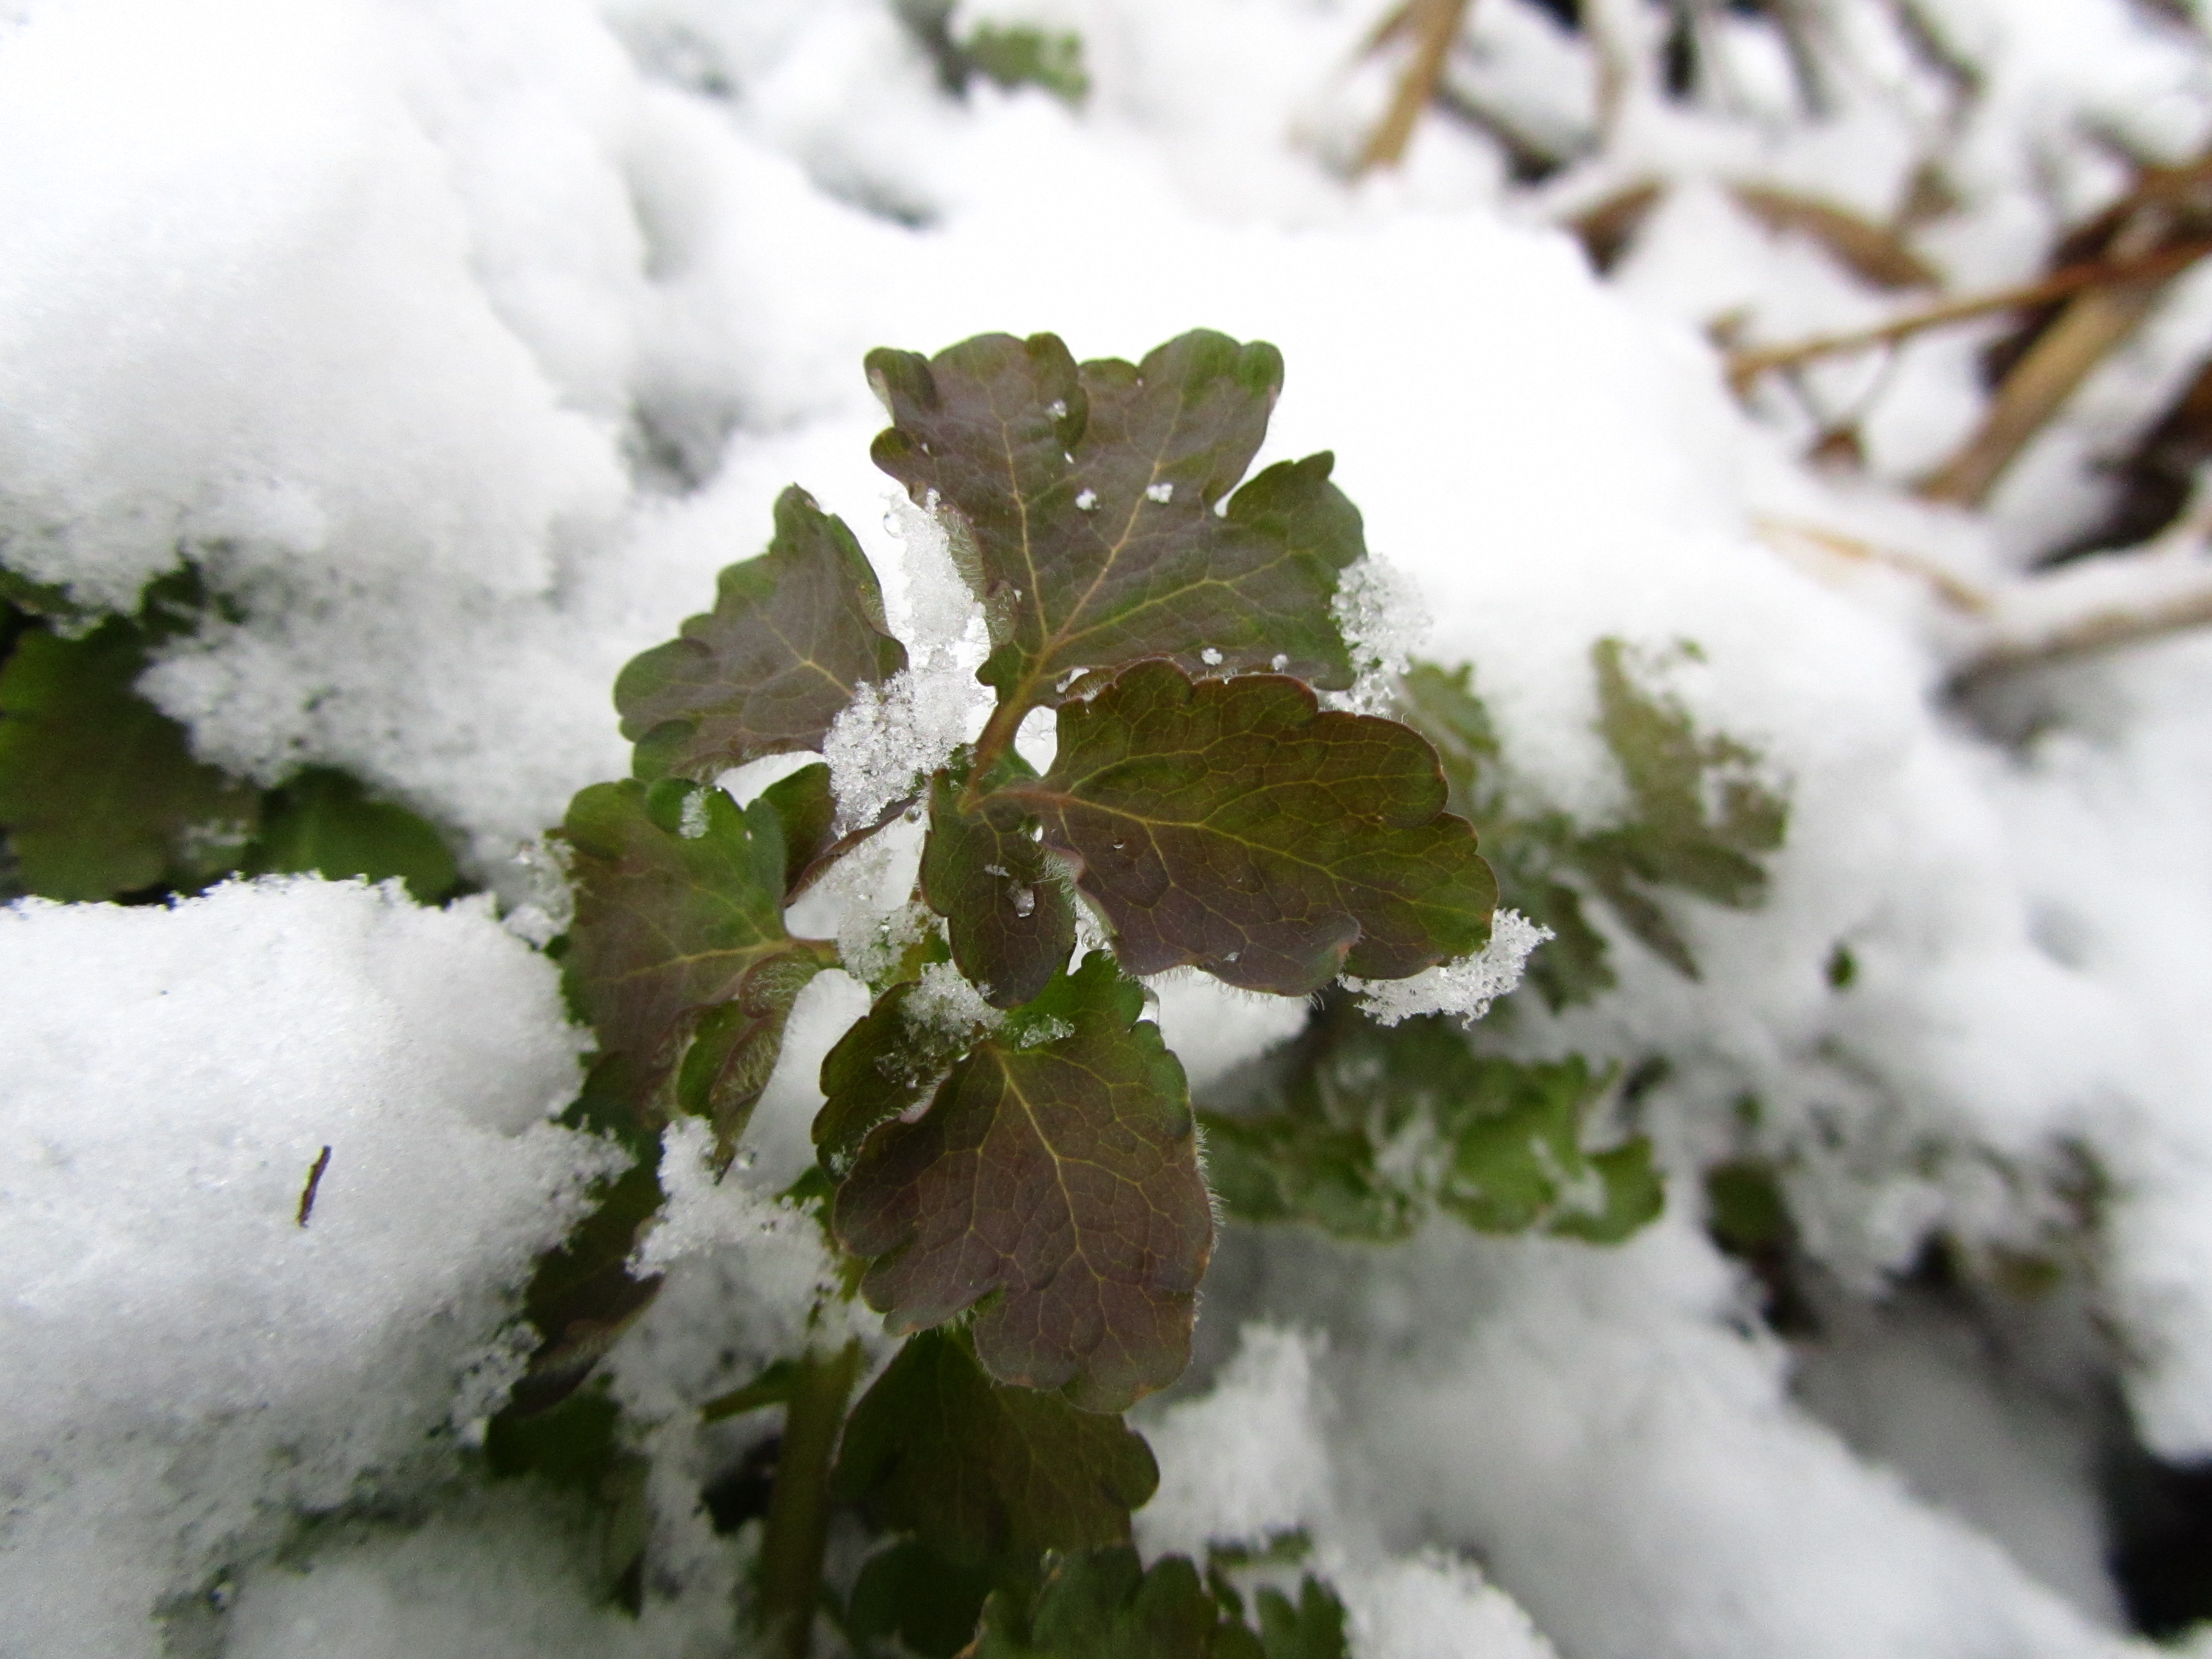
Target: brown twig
{"points": [[314, 1181], [1435, 24], [1746, 366], [2101, 631], [1952, 591]]}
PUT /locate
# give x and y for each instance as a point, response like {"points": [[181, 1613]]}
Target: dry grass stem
{"points": [[1434, 25], [1875, 255], [1783, 534], [1746, 366]]}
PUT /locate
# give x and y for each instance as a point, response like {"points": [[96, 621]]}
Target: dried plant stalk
{"points": [[1746, 366], [1434, 24]]}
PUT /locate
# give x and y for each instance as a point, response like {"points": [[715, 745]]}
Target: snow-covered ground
{"points": [[460, 343]]}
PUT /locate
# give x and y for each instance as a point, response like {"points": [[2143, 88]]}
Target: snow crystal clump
{"points": [[183, 1357], [1380, 611], [944, 1001], [1465, 988], [707, 1210], [891, 735]]}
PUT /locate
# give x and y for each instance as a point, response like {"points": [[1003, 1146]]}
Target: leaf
{"points": [[886, 1064], [1702, 819], [1055, 1181], [910, 1591], [1008, 913], [1312, 1627], [1104, 1605], [769, 669], [677, 954], [581, 1296], [1084, 505], [1231, 824], [99, 794], [322, 821], [807, 812], [987, 1476], [1021, 55], [1372, 1129]]}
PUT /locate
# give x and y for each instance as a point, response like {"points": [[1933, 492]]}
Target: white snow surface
{"points": [[187, 1364], [459, 342]]}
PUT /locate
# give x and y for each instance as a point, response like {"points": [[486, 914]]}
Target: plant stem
{"points": [[798, 1509], [998, 735]]}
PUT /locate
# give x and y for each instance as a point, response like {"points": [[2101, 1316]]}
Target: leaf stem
{"points": [[997, 736], [798, 1509]]}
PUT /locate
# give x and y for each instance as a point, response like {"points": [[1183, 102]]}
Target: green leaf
{"points": [[1023, 55], [1703, 818], [1009, 915], [1373, 1128], [1231, 824], [581, 1296], [1312, 1627], [988, 1477], [1085, 497], [678, 956], [1104, 1605], [910, 1592], [322, 821], [806, 811], [99, 794], [769, 669], [1055, 1181], [884, 1067]]}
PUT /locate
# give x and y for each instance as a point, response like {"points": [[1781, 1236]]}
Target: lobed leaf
{"points": [[1374, 1128], [678, 956], [987, 1476], [1104, 1605], [1231, 824], [771, 668], [1009, 916], [1703, 818], [885, 1066], [1085, 498], [1054, 1179], [99, 794]]}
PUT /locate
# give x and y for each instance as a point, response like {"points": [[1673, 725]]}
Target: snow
{"points": [[459, 344], [186, 1361]]}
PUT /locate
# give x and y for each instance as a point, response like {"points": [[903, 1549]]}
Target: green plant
{"points": [[1009, 1159]]}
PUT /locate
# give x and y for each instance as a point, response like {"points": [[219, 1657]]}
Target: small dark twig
{"points": [[315, 1180]]}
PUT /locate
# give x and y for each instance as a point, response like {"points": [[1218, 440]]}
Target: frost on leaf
{"points": [[985, 1476], [1054, 1183], [1233, 825], [678, 956], [1089, 494], [793, 634], [99, 794], [1465, 988], [1372, 1129], [1008, 912]]}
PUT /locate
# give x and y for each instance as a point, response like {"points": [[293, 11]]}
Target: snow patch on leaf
{"points": [[1464, 988]]}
